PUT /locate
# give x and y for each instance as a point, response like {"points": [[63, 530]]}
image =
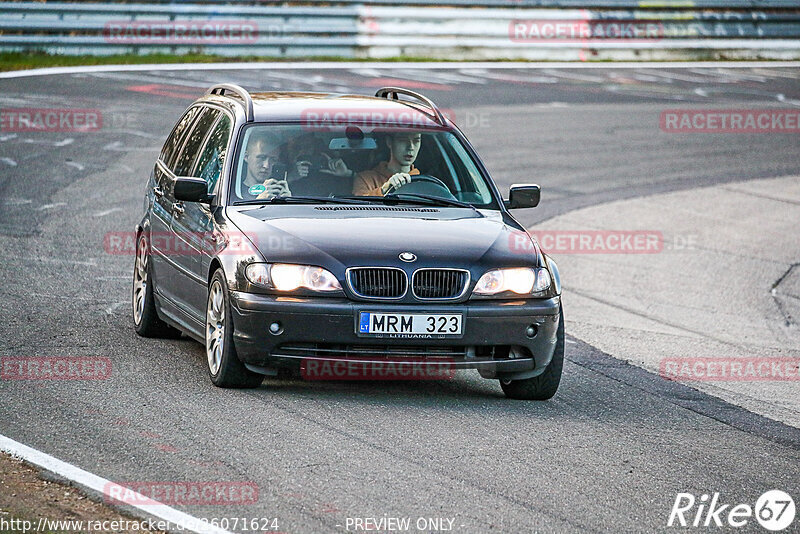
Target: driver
{"points": [[403, 150]]}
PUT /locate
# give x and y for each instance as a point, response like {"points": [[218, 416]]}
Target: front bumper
{"points": [[324, 328]]}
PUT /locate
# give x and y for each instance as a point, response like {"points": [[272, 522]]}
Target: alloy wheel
{"points": [[215, 326], [140, 281]]}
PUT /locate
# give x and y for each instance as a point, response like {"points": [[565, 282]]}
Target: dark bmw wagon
{"points": [[283, 229]]}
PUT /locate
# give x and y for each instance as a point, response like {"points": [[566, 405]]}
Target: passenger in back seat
{"points": [[315, 172]]}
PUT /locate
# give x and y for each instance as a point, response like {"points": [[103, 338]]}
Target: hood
{"points": [[337, 237]]}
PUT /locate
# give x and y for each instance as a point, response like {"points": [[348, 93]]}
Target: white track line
{"points": [[84, 478], [395, 66]]}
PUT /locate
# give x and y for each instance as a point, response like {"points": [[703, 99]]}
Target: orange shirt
{"points": [[368, 183]]}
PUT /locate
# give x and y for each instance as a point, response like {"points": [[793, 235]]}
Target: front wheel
{"points": [[545, 385], [224, 366]]}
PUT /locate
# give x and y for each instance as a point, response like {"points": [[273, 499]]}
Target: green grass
{"points": [[36, 60]]}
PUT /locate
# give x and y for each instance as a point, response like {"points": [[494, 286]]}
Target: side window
{"points": [[175, 139], [212, 158], [188, 154]]}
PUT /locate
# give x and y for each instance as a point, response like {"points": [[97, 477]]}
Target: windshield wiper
{"points": [[299, 200], [431, 199], [414, 198]]}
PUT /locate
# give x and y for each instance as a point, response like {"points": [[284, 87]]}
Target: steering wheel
{"points": [[424, 184]]}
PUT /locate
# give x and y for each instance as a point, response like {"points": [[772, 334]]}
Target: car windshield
{"points": [[356, 163]]}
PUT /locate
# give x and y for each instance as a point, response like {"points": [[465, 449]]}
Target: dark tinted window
{"points": [[175, 139], [212, 159], [188, 154]]}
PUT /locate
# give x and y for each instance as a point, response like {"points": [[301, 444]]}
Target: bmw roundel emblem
{"points": [[407, 257]]}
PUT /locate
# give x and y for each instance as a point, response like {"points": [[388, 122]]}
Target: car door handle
{"points": [[178, 208], [158, 191]]}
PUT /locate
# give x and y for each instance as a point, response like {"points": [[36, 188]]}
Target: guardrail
{"points": [[521, 29], [553, 4]]}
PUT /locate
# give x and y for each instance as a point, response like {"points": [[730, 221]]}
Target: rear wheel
{"points": [[545, 385], [146, 321], [224, 366]]}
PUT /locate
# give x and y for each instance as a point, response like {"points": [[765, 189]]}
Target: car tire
{"points": [[224, 366], [146, 321], [545, 385]]}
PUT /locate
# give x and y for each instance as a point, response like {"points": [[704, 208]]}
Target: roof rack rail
{"points": [[393, 92], [220, 89]]}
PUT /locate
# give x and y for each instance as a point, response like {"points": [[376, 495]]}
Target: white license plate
{"points": [[420, 325]]}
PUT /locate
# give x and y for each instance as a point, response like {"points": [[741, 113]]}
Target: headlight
{"points": [[288, 277], [519, 280], [258, 274]]}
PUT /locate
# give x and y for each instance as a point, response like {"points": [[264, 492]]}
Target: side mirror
{"points": [[523, 196], [191, 189]]}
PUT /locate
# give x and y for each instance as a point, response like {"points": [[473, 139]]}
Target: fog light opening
{"points": [[276, 328], [517, 352], [531, 331]]}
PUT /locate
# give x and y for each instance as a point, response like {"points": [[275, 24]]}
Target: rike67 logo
{"points": [[774, 510]]}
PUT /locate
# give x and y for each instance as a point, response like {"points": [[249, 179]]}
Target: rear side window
{"points": [[175, 139], [212, 158], [188, 154]]}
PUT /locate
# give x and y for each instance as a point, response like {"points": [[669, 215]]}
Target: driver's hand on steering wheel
{"points": [[395, 181]]}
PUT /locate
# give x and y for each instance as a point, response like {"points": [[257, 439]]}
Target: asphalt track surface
{"points": [[608, 453]]}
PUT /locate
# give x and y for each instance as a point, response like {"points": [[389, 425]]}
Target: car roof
{"points": [[295, 106]]}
